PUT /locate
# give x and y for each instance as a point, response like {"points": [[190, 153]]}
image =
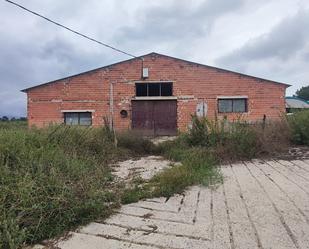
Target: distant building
{"points": [[295, 104]]}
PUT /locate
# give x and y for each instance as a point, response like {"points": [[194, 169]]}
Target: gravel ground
{"points": [[262, 204]]}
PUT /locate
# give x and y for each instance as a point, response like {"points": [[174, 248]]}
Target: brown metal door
{"points": [[155, 117], [142, 117], [165, 117]]}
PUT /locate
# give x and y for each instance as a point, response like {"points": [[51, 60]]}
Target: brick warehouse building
{"points": [[154, 93]]}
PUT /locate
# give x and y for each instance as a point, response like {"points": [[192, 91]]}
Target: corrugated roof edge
{"points": [[154, 53], [297, 98]]}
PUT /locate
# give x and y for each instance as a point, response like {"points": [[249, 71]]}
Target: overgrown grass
{"points": [[54, 179], [12, 125], [238, 140], [197, 167], [135, 142], [211, 142]]}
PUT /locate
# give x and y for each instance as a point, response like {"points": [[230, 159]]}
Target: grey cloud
{"points": [[178, 20], [281, 54], [306, 56], [283, 42], [27, 63]]}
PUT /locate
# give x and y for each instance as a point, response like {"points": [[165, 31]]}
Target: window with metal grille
{"points": [[153, 89], [232, 105], [78, 118]]}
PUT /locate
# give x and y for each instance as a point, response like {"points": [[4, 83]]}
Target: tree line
{"points": [[6, 118]]}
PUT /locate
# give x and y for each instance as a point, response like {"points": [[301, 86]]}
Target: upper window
{"points": [[78, 118], [154, 89], [232, 105]]}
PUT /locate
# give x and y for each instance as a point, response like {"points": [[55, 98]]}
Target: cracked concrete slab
{"points": [[261, 204]]}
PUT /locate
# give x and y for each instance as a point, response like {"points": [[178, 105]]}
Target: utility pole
{"points": [[111, 106], [111, 112]]}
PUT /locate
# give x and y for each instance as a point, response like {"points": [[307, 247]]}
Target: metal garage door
{"points": [[155, 117]]}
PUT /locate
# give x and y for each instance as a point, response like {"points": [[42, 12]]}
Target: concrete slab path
{"points": [[262, 204]]}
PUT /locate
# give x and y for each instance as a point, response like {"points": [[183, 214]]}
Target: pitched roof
{"points": [[153, 53]]}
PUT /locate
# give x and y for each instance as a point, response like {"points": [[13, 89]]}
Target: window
{"points": [[154, 89], [78, 118], [232, 105], [166, 89], [141, 89]]}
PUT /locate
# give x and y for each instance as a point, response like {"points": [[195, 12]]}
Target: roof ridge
{"points": [[148, 54]]}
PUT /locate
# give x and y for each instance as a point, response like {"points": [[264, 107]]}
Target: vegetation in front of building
{"points": [[211, 142], [299, 125], [13, 124], [55, 179]]}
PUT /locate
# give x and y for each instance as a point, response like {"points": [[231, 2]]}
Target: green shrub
{"points": [[135, 142], [134, 194], [238, 142], [11, 235], [199, 133], [205, 132], [272, 137], [171, 181], [299, 124], [228, 140]]}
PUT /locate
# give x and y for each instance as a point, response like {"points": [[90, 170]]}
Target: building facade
{"points": [[154, 93]]}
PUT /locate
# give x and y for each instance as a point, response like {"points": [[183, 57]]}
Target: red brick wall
{"points": [[192, 83]]}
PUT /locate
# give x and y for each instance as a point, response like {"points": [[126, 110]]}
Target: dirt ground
{"points": [[261, 204]]}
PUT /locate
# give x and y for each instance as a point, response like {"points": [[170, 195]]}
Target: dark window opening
{"points": [[141, 90], [154, 89], [232, 105], [167, 89], [78, 118]]}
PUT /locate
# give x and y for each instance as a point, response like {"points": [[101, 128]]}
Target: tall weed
{"points": [[55, 179], [299, 124]]}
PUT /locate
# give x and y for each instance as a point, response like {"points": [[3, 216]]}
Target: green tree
{"points": [[5, 118], [303, 93]]}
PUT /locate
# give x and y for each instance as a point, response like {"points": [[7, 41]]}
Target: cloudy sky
{"points": [[265, 38]]}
